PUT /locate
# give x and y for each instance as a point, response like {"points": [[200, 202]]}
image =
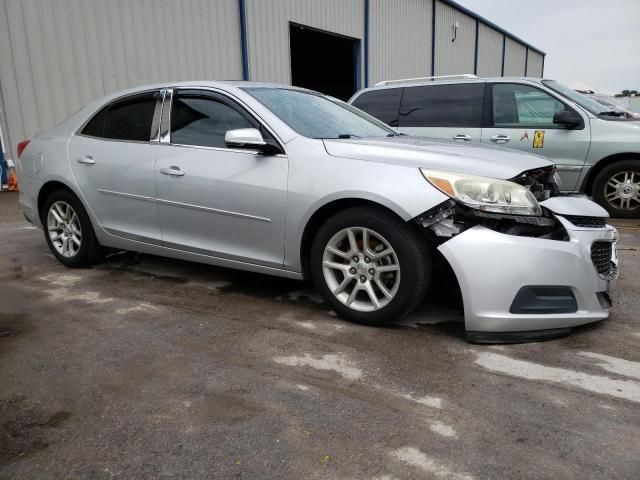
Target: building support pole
{"points": [[504, 45], [475, 58], [366, 43], [433, 38], [243, 39]]}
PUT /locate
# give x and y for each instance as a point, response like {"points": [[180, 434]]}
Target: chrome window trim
{"points": [[141, 142], [165, 120], [157, 116], [78, 130], [229, 96], [222, 149]]}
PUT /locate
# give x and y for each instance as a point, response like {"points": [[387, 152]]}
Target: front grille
{"points": [[586, 222], [601, 258]]}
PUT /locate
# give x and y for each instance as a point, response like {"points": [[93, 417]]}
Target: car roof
{"points": [[228, 85], [453, 79]]}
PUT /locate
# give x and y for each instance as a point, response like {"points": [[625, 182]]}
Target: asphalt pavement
{"points": [[149, 368]]}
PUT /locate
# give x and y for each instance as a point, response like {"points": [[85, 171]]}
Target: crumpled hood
{"points": [[474, 159]]}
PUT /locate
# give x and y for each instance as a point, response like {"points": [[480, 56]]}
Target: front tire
{"points": [[370, 266], [69, 232], [617, 188]]}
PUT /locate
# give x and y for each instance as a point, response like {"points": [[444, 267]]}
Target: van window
{"points": [[383, 104], [126, 119], [516, 105], [458, 105]]}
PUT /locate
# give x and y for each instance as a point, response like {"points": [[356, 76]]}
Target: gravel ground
{"points": [[144, 367]]}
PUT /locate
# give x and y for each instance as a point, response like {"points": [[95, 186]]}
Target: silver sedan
{"points": [[289, 182]]}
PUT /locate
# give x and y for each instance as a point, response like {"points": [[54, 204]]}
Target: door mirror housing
{"points": [[567, 118], [250, 139]]}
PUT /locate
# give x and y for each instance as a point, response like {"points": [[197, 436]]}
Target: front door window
{"points": [[523, 106]]}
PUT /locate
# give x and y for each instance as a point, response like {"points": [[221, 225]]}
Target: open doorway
{"points": [[326, 62]]}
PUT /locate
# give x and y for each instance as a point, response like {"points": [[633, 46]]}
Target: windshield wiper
{"points": [[398, 134], [348, 135], [612, 113]]}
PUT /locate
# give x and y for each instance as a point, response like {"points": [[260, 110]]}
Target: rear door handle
{"points": [[500, 138], [87, 160], [461, 136], [172, 170]]}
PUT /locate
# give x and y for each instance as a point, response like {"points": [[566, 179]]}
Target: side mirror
{"points": [[250, 139], [567, 118]]}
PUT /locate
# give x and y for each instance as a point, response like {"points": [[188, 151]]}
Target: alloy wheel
{"points": [[622, 190], [361, 269], [64, 229]]}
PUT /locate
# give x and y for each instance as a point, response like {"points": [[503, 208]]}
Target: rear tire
{"points": [[69, 232], [617, 188], [365, 252]]}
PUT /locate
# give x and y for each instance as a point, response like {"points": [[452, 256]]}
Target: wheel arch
{"points": [[322, 214], [50, 186], [587, 184]]}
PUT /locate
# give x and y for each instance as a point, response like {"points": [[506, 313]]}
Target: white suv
{"points": [[596, 150]]}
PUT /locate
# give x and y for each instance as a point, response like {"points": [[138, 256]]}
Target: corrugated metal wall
{"points": [[399, 39], [515, 55], [489, 51], [268, 30], [453, 57], [57, 56], [534, 64]]}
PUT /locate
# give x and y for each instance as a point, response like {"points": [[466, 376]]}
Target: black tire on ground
{"points": [[600, 182], [90, 251], [414, 258]]}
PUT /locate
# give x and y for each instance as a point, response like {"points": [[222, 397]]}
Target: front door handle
{"points": [[500, 138], [462, 136], [172, 170], [87, 160]]}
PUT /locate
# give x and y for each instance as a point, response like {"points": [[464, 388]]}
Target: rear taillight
{"points": [[21, 146]]}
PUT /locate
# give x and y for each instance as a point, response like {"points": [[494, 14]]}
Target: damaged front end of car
{"points": [[452, 217], [530, 264]]}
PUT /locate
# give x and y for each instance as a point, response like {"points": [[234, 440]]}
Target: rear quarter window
{"points": [[458, 105], [383, 104]]}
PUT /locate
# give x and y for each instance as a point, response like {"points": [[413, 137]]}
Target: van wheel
{"points": [[69, 232], [370, 266], [617, 188]]}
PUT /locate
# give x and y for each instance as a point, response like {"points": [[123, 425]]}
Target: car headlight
{"points": [[484, 193]]}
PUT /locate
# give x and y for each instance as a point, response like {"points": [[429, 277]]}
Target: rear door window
{"points": [[125, 119], [515, 105], [383, 104], [458, 105]]}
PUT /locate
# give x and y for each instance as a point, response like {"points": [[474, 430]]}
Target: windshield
{"points": [[585, 102], [317, 116], [615, 105]]}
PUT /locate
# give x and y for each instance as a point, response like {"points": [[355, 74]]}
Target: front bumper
{"points": [[492, 267]]}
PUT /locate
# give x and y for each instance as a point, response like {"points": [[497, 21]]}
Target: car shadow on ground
{"points": [[441, 314]]}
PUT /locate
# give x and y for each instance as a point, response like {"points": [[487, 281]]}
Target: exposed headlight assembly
{"points": [[484, 193]]}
